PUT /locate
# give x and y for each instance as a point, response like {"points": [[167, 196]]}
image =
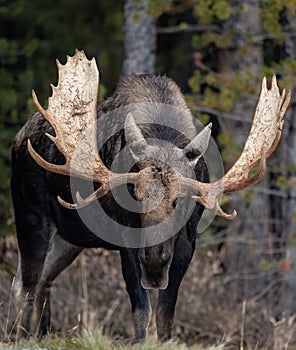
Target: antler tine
{"points": [[115, 180], [222, 213], [284, 105], [262, 141], [100, 192], [37, 104], [61, 169]]}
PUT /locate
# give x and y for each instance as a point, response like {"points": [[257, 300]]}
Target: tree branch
{"points": [[220, 114], [187, 28]]}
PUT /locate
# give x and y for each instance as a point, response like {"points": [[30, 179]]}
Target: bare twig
{"points": [[187, 28], [40, 319], [276, 193], [84, 290], [231, 116], [18, 318], [267, 36], [266, 290], [242, 330], [9, 308]]}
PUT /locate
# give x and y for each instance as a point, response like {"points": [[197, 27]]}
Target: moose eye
{"points": [[175, 203]]}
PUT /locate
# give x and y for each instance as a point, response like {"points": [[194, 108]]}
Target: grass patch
{"points": [[92, 342], [82, 342]]}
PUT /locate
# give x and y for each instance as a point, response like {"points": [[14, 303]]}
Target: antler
{"points": [[72, 113], [262, 141]]}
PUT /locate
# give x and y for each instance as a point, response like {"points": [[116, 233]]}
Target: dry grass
{"points": [[96, 341], [223, 300], [86, 340]]}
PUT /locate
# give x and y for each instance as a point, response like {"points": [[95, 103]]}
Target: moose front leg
{"points": [[33, 246], [27, 284], [60, 255], [141, 310], [167, 298], [165, 312]]}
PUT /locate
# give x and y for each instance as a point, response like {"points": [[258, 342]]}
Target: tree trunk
{"points": [[283, 202], [245, 22], [139, 38], [247, 235], [284, 218], [264, 221]]}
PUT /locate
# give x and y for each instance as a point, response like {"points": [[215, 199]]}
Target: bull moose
{"points": [[166, 174]]}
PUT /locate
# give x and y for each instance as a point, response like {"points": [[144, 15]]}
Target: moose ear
{"points": [[198, 146], [134, 138]]}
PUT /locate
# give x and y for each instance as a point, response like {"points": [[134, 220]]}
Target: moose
{"points": [[63, 176]]}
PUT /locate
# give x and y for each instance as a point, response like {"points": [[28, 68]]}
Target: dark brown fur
{"points": [[50, 236]]}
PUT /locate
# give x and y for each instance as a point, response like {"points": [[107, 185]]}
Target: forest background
{"points": [[217, 51]]}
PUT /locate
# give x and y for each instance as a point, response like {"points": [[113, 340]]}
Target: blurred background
{"points": [[241, 285]]}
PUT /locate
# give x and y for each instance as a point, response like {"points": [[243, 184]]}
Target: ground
{"points": [[213, 306]]}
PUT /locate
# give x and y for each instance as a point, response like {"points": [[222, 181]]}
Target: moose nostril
{"points": [[156, 169]]}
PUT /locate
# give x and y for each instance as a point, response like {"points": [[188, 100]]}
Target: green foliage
{"points": [[287, 69], [282, 182], [208, 11], [292, 238], [221, 41], [249, 194], [265, 265], [222, 91], [270, 20], [31, 38], [194, 82], [270, 15], [229, 149], [212, 12], [204, 118], [158, 7]]}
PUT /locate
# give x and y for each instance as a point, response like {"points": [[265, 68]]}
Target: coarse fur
{"points": [[50, 236]]}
